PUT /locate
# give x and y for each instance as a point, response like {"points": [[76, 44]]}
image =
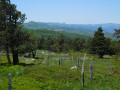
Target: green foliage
{"points": [[77, 44], [48, 43], [99, 44], [61, 42], [117, 33], [117, 44], [41, 42], [10, 29], [46, 33]]}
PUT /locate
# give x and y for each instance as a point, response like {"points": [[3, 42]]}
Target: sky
{"points": [[70, 11]]}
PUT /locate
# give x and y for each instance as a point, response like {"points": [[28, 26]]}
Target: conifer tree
{"points": [[98, 43], [11, 21]]}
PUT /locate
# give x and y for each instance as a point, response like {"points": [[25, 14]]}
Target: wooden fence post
{"points": [[78, 62], [39, 55], [73, 60], [84, 59], [9, 83], [91, 72], [59, 61], [82, 76], [47, 60]]}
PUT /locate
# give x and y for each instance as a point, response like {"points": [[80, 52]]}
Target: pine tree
{"points": [[11, 21], [98, 43]]}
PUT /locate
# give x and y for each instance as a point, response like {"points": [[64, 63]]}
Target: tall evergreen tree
{"points": [[98, 43], [11, 21]]}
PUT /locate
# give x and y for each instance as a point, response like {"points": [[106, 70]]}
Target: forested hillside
{"points": [[45, 33], [84, 30]]}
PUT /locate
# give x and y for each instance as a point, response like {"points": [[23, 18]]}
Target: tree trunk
{"points": [[33, 53], [7, 54], [15, 57]]}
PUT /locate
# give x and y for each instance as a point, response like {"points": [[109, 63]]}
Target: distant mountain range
{"points": [[82, 29], [108, 27]]}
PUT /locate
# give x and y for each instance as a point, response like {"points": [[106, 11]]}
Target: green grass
{"points": [[36, 75]]}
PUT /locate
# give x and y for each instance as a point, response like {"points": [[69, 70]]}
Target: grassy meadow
{"points": [[35, 74]]}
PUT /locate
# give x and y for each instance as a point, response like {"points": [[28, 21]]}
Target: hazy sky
{"points": [[70, 11]]}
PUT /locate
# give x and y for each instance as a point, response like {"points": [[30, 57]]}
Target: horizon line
{"points": [[68, 23]]}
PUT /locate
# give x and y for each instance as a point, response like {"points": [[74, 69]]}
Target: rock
{"points": [[106, 57], [33, 59], [75, 67]]}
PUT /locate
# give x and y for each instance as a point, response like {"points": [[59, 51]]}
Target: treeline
{"points": [[46, 33], [60, 44], [97, 45]]}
